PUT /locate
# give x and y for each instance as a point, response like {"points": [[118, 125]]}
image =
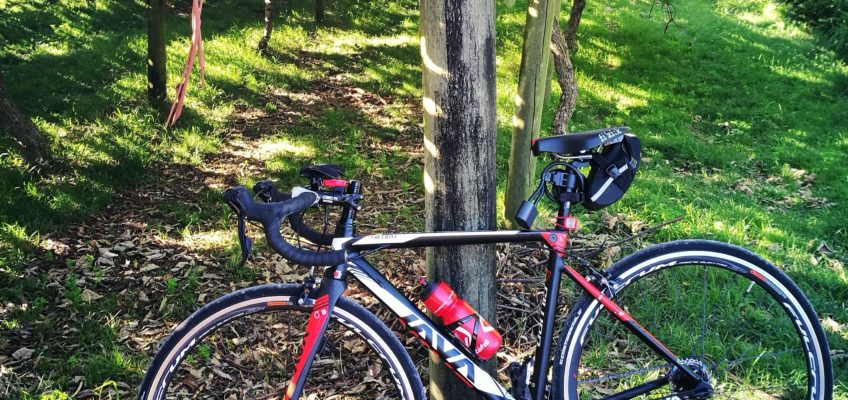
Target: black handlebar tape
{"points": [[271, 215], [269, 192]]}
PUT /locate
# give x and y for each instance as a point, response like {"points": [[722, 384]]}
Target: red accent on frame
{"points": [[316, 320], [568, 223], [557, 240], [277, 303], [758, 275], [619, 312], [609, 304], [332, 183]]}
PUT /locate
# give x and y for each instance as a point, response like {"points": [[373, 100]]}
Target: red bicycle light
{"points": [[334, 183]]}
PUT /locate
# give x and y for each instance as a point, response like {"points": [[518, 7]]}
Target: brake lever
{"points": [[245, 242]]}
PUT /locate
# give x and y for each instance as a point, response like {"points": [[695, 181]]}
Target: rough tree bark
{"points": [[532, 84], [34, 146], [157, 78], [458, 57], [574, 17], [269, 26], [562, 45]]}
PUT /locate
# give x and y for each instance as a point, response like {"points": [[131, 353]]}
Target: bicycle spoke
{"points": [[767, 392], [623, 375], [723, 323], [704, 314], [733, 363]]}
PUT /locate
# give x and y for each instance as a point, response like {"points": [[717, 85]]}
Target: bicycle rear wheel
{"points": [[734, 317], [246, 344]]}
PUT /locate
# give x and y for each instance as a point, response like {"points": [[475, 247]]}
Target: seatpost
{"points": [[565, 198], [345, 225]]}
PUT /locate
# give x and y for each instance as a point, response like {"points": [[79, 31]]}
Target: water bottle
{"points": [[461, 319]]}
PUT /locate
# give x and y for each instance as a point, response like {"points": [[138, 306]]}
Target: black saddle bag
{"points": [[611, 173]]}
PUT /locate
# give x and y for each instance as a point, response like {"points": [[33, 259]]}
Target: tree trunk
{"points": [[551, 67], [561, 48], [319, 11], [458, 52], [157, 78], [269, 26], [34, 146], [532, 85], [574, 17]]}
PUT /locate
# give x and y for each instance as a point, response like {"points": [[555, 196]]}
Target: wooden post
{"points": [[157, 78], [458, 52], [532, 84]]}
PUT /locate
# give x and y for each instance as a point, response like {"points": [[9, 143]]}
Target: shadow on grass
{"points": [[87, 66]]}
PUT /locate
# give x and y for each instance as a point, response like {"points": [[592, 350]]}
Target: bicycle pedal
{"points": [[519, 376]]}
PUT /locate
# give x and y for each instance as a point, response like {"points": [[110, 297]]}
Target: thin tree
{"points": [[269, 26], [157, 78], [533, 82], [35, 148], [562, 46], [319, 11], [458, 51]]}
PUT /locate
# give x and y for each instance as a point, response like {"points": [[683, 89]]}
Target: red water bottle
{"points": [[461, 319]]}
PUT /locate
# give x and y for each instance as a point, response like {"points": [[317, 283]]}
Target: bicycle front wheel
{"points": [[733, 317], [245, 346]]}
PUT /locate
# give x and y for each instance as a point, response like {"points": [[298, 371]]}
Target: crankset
{"points": [[519, 376], [684, 388]]}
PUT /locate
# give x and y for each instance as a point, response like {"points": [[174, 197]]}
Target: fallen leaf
{"points": [[23, 354], [89, 295], [105, 261], [148, 267]]}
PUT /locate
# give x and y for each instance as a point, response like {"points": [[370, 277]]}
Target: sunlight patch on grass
{"points": [[351, 42], [206, 240], [284, 147], [190, 147], [634, 98]]}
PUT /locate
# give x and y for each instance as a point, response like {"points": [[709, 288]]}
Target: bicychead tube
{"points": [[461, 319]]}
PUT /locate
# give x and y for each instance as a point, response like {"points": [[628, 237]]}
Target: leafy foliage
{"points": [[828, 17]]}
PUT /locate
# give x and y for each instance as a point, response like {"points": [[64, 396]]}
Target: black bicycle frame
{"points": [[450, 350]]}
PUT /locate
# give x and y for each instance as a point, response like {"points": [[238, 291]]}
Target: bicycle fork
{"points": [[333, 285]]}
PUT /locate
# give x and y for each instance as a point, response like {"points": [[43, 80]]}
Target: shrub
{"points": [[829, 18]]}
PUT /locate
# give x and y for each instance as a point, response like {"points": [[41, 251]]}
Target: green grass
{"points": [[729, 104]]}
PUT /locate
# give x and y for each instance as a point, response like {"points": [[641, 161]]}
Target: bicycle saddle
{"points": [[323, 171], [578, 142]]}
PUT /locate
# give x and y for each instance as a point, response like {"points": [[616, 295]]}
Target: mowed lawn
{"points": [[743, 118]]}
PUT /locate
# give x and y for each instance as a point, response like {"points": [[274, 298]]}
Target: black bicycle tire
{"points": [[270, 298], [660, 257]]}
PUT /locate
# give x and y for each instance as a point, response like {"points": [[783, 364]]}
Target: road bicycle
{"points": [[688, 319]]}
